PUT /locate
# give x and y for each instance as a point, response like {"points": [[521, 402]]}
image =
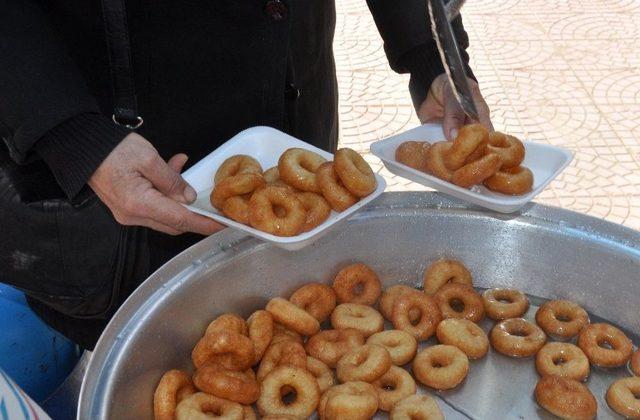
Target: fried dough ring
{"points": [[354, 172], [511, 181], [562, 359], [561, 318], [517, 337], [228, 322], [322, 372], [236, 165], [231, 385], [441, 366], [236, 185], [351, 400], [635, 363], [352, 277], [416, 407], [271, 175], [231, 350], [297, 167], [317, 210], [282, 333], [401, 345], [237, 208], [338, 197], [622, 397], [465, 335], [509, 148], [592, 339], [307, 392], [360, 317], [470, 138], [476, 172], [444, 271], [260, 331], [293, 317], [501, 304], [329, 346], [454, 296], [319, 300], [388, 299], [263, 217], [366, 363], [174, 386], [413, 154], [430, 315], [565, 398], [282, 354], [435, 160], [195, 406], [395, 385]]}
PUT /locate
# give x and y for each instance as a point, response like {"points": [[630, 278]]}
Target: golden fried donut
{"points": [[395, 385], [354, 172], [237, 208], [436, 162], [517, 337], [248, 413], [282, 333], [388, 299], [271, 175], [565, 398], [338, 197], [622, 397], [279, 417], [457, 300], [476, 172], [263, 217], [511, 181], [319, 300], [329, 346], [174, 386], [228, 322], [441, 366], [282, 354], [260, 325], [501, 304], [202, 406], [236, 165], [360, 317], [465, 335], [445, 271], [351, 400], [304, 384], [593, 339], [293, 317], [416, 407], [562, 359], [509, 148], [230, 349], [231, 385], [366, 363], [470, 138], [297, 167], [430, 315], [635, 363], [357, 283], [317, 210], [413, 154], [561, 318], [322, 372], [401, 345], [236, 185]]}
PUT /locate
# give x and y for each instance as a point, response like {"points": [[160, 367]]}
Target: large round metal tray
{"points": [[546, 252]]}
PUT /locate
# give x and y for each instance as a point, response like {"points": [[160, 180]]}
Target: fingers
{"points": [[454, 116], [167, 180], [177, 162], [484, 114]]}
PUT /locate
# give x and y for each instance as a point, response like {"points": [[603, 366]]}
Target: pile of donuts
{"points": [[293, 197], [474, 157], [281, 360]]}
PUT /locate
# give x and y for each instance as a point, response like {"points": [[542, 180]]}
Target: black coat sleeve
{"points": [[409, 44], [44, 99]]}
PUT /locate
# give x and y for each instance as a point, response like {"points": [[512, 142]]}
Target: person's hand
{"points": [[441, 105], [141, 189]]}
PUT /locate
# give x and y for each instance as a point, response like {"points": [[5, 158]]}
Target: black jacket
{"points": [[204, 70]]}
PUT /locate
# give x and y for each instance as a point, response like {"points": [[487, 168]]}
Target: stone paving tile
{"points": [[563, 72]]}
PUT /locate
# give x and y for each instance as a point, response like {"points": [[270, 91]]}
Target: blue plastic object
{"points": [[35, 356]]}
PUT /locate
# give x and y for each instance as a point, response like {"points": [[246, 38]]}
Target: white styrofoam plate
{"points": [[266, 145], [546, 162]]}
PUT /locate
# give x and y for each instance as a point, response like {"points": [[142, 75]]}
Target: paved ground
{"points": [[564, 72]]}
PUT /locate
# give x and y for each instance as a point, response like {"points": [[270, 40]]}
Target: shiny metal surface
{"points": [[543, 251]]}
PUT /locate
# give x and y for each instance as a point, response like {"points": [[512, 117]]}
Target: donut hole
{"points": [[388, 386], [559, 361], [518, 332], [564, 317], [279, 211], [504, 299], [457, 304], [288, 395], [415, 320], [358, 289], [605, 344]]}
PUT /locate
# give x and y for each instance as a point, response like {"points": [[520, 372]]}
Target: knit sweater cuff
{"points": [[74, 149]]}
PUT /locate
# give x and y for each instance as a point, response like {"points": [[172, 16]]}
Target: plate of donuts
{"points": [[280, 189], [492, 170]]}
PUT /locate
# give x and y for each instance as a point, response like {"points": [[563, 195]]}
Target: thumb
{"points": [[454, 116]]}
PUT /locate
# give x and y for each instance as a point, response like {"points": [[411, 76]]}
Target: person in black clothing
{"points": [[88, 208]]}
